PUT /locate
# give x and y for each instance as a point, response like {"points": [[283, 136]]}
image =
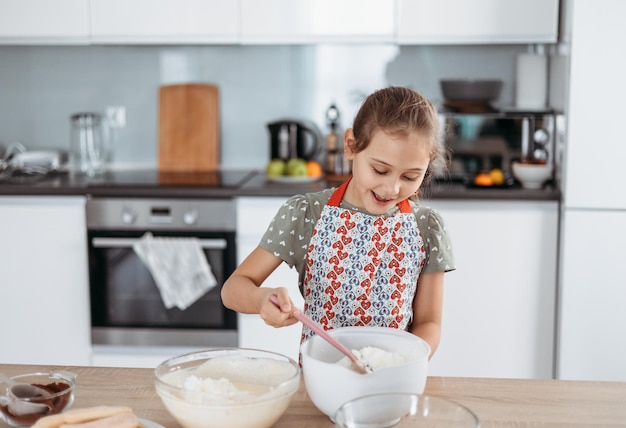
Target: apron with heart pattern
{"points": [[362, 270]]}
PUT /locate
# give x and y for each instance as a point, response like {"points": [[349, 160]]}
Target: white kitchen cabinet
{"points": [[477, 21], [595, 150], [164, 21], [593, 296], [44, 22], [253, 216], [44, 290], [139, 356], [499, 305], [316, 21]]}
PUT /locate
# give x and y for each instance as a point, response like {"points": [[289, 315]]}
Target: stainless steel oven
{"points": [[126, 306]]}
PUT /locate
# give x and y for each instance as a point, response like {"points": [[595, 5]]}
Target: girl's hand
{"points": [[277, 315]]}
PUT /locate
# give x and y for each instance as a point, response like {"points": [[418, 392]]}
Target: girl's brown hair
{"points": [[400, 111]]}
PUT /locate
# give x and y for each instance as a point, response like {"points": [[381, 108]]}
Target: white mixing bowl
{"points": [[330, 384]]}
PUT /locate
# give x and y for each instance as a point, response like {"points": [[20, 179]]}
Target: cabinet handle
{"points": [[208, 244]]}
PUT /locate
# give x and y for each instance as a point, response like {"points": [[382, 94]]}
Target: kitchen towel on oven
{"points": [[179, 268]]}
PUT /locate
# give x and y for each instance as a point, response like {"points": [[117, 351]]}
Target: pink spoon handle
{"points": [[319, 330]]}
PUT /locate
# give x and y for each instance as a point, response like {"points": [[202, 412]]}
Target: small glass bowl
{"points": [[60, 385], [404, 410]]}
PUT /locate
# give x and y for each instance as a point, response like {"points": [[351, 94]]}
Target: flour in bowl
{"points": [[219, 391], [232, 380], [376, 358]]}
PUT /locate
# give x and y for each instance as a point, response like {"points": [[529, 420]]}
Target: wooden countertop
{"points": [[497, 402]]}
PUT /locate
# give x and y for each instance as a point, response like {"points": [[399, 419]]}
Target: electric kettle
{"points": [[291, 139]]}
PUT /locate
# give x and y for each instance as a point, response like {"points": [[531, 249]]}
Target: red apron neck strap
{"points": [[337, 196], [405, 207]]}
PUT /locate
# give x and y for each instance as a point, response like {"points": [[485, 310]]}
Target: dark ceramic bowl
{"points": [[471, 90]]}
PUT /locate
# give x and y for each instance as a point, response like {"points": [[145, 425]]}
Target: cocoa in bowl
{"points": [[60, 397]]}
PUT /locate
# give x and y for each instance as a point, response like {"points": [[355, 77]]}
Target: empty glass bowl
{"points": [[404, 410]]}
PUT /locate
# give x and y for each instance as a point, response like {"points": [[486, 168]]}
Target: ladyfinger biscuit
{"points": [[85, 414], [75, 416], [52, 421], [121, 420]]}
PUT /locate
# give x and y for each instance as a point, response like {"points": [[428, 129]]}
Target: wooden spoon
{"points": [[360, 364]]}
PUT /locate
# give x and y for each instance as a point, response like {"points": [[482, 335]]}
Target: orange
{"points": [[314, 169], [483, 179]]}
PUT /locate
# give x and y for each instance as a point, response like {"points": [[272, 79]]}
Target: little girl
{"points": [[367, 253]]}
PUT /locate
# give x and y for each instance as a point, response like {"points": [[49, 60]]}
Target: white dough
{"points": [[227, 380], [376, 358]]}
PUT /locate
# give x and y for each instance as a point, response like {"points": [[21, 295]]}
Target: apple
{"points": [[297, 168], [276, 168]]}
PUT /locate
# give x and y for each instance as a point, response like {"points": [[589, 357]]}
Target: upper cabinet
{"points": [[316, 21], [278, 21], [597, 74], [164, 21], [477, 21], [44, 22]]}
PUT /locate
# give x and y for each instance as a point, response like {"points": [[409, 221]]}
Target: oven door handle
{"points": [[207, 244]]}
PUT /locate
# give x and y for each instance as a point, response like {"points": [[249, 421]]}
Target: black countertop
{"points": [[231, 183]]}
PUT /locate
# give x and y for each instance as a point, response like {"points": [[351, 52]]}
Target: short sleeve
{"points": [[289, 232], [440, 255]]}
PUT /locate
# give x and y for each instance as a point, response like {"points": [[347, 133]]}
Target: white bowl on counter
{"points": [[532, 175], [330, 384]]}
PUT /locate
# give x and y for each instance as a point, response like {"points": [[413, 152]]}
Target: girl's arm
{"points": [[428, 308], [242, 291]]}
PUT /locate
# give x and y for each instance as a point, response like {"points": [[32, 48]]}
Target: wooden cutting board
{"points": [[188, 127]]}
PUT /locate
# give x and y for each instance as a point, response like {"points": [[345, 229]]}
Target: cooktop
{"points": [[156, 178]]}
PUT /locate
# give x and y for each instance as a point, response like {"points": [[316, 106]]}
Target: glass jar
{"points": [[89, 145]]}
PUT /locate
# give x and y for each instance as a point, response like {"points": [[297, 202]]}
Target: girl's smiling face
{"points": [[390, 169]]}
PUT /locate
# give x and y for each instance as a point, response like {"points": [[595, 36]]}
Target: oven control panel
{"points": [[161, 214]]}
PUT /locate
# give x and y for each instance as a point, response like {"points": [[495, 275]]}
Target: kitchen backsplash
{"points": [[41, 86]]}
